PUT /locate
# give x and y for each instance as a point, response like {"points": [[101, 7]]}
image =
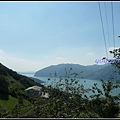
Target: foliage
{"points": [[3, 87], [116, 55], [3, 112], [67, 98]]}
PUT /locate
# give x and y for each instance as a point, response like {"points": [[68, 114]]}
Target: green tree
{"points": [[4, 91]]}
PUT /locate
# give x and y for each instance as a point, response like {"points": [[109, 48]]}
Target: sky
{"points": [[34, 35]]}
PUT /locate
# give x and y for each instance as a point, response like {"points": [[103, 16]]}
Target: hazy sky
{"points": [[34, 35]]}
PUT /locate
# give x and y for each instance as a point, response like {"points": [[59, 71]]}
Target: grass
{"points": [[26, 108], [9, 104]]}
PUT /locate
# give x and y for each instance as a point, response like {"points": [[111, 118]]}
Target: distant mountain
{"points": [[105, 73], [36, 80], [95, 72]]}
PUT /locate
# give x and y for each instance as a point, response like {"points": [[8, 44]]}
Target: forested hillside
{"points": [[65, 101]]}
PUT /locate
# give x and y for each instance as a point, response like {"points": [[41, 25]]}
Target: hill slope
{"points": [[11, 83]]}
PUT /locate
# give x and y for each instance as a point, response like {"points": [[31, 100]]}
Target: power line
{"points": [[103, 29], [107, 23], [113, 25], [107, 32], [115, 76], [103, 34]]}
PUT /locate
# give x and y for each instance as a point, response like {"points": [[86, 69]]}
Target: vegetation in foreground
{"points": [[67, 100]]}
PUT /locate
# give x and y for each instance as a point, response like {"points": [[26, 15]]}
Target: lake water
{"points": [[85, 82]]}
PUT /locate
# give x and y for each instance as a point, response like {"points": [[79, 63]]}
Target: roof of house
{"points": [[35, 88]]}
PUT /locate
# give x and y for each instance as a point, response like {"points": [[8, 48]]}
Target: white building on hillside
{"points": [[35, 91]]}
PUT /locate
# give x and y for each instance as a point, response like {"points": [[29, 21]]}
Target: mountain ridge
{"points": [[95, 72]]}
